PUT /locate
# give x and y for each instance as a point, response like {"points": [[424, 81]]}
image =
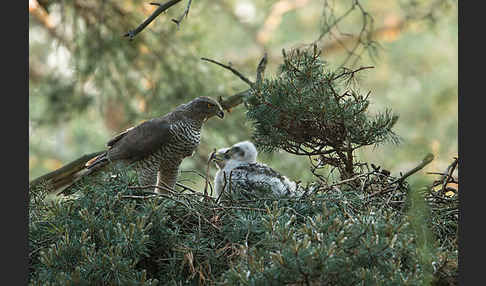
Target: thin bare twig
{"points": [[348, 180], [224, 187], [425, 161], [165, 188], [140, 197], [241, 76], [448, 173], [237, 98], [261, 68], [178, 21], [352, 72], [239, 208], [207, 174], [162, 7], [168, 197], [186, 188], [233, 100]]}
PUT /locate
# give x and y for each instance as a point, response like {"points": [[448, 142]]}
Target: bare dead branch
{"points": [[425, 161], [237, 73], [237, 99], [224, 187], [164, 188], [162, 7], [352, 72], [233, 100], [140, 197], [211, 156], [178, 21], [383, 33], [347, 180], [448, 173], [261, 68]]}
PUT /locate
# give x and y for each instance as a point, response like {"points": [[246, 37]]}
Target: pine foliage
{"points": [[113, 234], [309, 109]]}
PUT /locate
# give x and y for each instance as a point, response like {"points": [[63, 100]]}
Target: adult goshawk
{"points": [[157, 147]]}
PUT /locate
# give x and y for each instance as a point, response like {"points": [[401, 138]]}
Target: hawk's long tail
{"points": [[65, 176], [98, 161]]}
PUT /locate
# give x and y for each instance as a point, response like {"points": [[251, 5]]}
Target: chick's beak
{"points": [[218, 157]]}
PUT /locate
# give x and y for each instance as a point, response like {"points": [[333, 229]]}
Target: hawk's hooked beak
{"points": [[220, 114]]}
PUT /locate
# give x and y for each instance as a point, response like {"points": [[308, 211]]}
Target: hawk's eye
{"points": [[210, 105]]}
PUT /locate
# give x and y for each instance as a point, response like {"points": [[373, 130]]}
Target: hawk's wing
{"points": [[139, 141], [117, 137]]}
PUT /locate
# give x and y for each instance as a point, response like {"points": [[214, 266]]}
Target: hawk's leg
{"points": [[167, 177]]}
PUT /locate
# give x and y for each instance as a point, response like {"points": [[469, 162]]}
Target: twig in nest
{"points": [[165, 188], [162, 7], [224, 187], [154, 195], [448, 174], [170, 198], [186, 188], [211, 156], [425, 161], [239, 208], [344, 181], [140, 197]]}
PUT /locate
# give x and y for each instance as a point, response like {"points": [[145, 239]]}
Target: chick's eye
{"points": [[239, 151]]}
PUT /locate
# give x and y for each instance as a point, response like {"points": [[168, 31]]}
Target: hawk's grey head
{"points": [[205, 107]]}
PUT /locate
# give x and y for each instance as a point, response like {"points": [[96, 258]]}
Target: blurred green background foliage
{"points": [[87, 82]]}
